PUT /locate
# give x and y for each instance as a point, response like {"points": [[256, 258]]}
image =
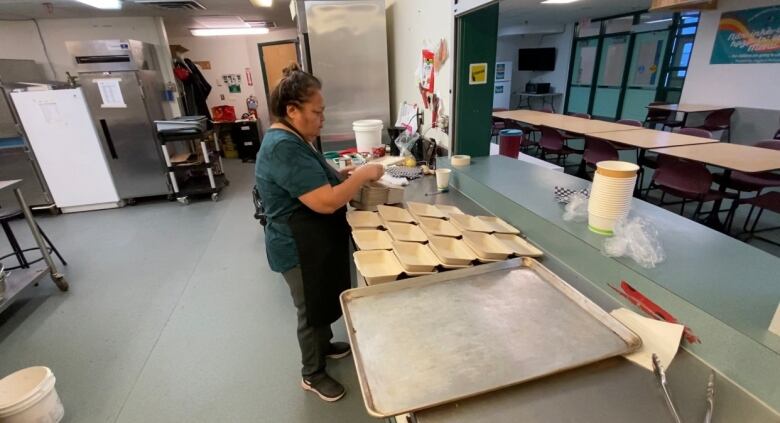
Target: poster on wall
{"points": [[748, 36], [233, 81]]}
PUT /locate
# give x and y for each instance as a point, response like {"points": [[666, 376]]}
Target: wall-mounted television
{"points": [[536, 59]]}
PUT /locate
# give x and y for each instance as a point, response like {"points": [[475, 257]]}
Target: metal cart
{"points": [[199, 172], [19, 279]]}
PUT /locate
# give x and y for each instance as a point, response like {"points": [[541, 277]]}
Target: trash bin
{"points": [[509, 142]]}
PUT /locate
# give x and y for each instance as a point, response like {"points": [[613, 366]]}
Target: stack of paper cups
{"points": [[610, 197]]}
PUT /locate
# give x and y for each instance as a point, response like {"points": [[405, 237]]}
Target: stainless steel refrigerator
{"points": [[344, 43], [17, 160], [123, 86]]}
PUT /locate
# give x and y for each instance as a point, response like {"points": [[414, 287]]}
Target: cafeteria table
{"points": [[729, 157], [685, 109], [646, 139], [572, 124]]}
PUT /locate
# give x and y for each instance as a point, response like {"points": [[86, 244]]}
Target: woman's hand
{"points": [[345, 171], [369, 172]]}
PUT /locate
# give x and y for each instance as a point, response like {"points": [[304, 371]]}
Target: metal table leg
{"points": [[56, 276]]}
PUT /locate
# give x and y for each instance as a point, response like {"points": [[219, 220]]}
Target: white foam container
{"points": [[368, 134], [28, 395]]}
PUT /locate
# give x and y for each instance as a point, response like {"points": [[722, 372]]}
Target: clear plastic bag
{"points": [[577, 208], [637, 239], [405, 142]]}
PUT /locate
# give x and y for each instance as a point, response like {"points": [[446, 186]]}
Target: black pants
{"points": [[314, 341]]}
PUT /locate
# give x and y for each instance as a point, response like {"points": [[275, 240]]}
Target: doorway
{"points": [[274, 57]]}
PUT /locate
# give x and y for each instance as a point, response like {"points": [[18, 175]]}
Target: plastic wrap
{"points": [[637, 239], [577, 208]]}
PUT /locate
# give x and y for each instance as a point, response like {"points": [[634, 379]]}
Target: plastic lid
{"points": [[510, 132]]}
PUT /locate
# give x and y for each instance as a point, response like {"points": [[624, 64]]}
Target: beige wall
{"points": [[233, 55], [20, 40], [411, 26]]}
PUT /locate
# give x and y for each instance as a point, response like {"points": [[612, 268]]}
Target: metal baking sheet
{"points": [[430, 340]]}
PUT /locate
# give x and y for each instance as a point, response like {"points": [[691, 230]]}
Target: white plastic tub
{"points": [[368, 134], [28, 395]]}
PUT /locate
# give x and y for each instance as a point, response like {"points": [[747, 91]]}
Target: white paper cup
{"points": [[443, 179], [601, 225]]}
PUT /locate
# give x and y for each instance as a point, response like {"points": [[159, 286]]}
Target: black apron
{"points": [[322, 241]]}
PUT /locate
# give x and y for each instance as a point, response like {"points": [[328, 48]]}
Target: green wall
{"points": [[477, 37]]}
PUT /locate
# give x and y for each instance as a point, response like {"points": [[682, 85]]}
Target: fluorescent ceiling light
{"points": [[262, 3], [558, 1], [659, 21], [213, 32], [102, 4]]}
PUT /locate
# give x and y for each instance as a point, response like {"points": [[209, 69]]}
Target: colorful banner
{"points": [[748, 36]]}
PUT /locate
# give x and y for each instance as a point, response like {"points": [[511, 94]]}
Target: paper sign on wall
{"points": [[477, 73], [110, 93], [748, 36]]}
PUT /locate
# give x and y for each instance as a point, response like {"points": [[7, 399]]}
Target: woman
{"points": [[307, 236]]}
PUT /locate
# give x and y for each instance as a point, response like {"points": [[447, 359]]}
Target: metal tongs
{"points": [[661, 375]]}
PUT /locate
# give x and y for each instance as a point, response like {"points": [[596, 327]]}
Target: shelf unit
{"points": [[197, 176]]}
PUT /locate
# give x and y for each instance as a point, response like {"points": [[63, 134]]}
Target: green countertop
{"points": [[733, 287]]}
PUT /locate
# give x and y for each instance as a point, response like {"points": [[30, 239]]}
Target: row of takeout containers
{"points": [[424, 239]]}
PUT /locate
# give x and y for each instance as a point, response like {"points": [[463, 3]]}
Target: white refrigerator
{"points": [[502, 88], [65, 142]]}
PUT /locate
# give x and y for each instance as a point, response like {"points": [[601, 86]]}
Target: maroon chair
{"points": [[596, 150], [630, 122], [769, 201], [751, 182], [547, 109], [777, 135], [696, 132], [719, 120], [690, 181], [552, 142], [581, 115], [663, 117], [497, 124]]}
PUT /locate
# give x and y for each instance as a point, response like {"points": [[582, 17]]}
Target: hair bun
{"points": [[291, 69]]}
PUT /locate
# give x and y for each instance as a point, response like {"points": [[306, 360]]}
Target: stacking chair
{"points": [[6, 216], [552, 142], [651, 162], [497, 125], [751, 182], [719, 120], [690, 181], [596, 150], [769, 201], [630, 122], [663, 117]]}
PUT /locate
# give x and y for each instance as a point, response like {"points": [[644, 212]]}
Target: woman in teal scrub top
{"points": [[307, 236]]}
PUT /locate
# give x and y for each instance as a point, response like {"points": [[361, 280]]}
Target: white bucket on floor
{"points": [[29, 396], [368, 134]]}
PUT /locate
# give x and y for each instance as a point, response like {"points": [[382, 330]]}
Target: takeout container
{"points": [[519, 246], [415, 257], [394, 214], [460, 160], [359, 219], [465, 222], [372, 239], [406, 232], [452, 251], [372, 194], [377, 266], [448, 210], [486, 246], [424, 210], [611, 194], [499, 225], [433, 226]]}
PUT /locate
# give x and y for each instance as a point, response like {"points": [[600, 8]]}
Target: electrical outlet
{"points": [[222, 96]]}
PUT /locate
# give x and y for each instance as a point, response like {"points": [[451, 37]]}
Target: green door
{"points": [[582, 75], [610, 81], [644, 73], [476, 40]]}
